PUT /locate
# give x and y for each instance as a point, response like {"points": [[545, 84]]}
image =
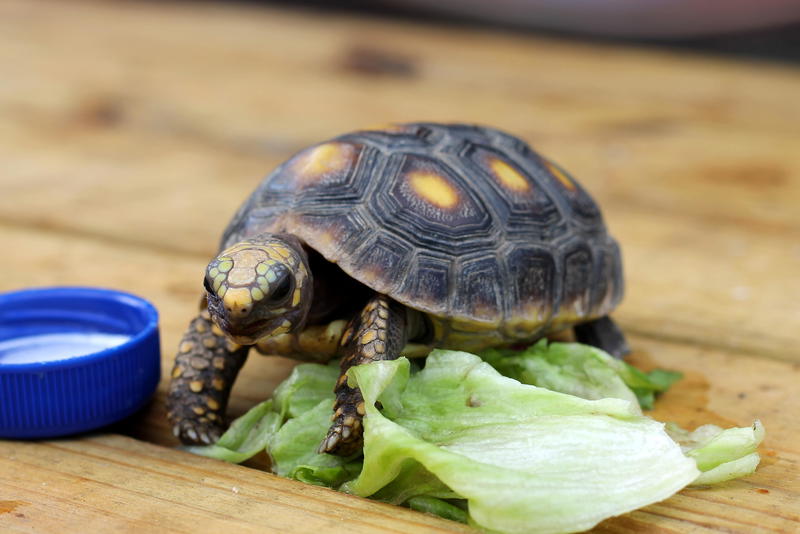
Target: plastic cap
{"points": [[74, 359]]}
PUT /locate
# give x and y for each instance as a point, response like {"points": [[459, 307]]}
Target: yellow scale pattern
{"points": [[204, 370], [242, 275]]}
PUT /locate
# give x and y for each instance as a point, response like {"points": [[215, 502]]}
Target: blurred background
{"points": [[131, 131]]}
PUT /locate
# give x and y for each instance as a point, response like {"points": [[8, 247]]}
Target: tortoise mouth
{"points": [[250, 329], [246, 334]]}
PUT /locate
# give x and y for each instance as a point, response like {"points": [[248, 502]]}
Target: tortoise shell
{"points": [[467, 224]]}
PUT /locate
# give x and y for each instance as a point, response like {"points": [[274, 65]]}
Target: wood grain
{"points": [[110, 483], [132, 131]]}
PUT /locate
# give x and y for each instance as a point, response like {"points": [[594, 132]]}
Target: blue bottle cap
{"points": [[74, 359]]}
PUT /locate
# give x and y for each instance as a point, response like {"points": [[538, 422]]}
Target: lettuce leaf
{"points": [[290, 427], [521, 470], [580, 370], [720, 454], [460, 440], [247, 436]]}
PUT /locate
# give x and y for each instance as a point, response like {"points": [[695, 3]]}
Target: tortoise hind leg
{"points": [[205, 368], [378, 333], [604, 334]]}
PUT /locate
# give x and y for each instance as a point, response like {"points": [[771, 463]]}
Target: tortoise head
{"points": [[259, 288]]}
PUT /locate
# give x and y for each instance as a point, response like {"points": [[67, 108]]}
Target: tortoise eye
{"points": [[282, 288]]}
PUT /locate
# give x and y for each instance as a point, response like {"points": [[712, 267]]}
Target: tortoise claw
{"points": [[196, 433], [328, 444], [344, 437]]}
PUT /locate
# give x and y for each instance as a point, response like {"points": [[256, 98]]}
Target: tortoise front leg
{"points": [[378, 333], [205, 369]]}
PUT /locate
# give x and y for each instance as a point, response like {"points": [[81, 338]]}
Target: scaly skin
{"points": [[205, 368], [378, 333]]}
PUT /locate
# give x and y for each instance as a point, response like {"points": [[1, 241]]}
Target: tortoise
{"points": [[392, 242]]}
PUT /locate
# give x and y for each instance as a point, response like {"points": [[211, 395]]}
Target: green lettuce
{"points": [[290, 427], [720, 454], [521, 470], [580, 370], [460, 440]]}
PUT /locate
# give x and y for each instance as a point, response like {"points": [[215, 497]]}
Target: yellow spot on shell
{"points": [[271, 277], [262, 268], [216, 330], [177, 371], [508, 175], [221, 291], [256, 293], [225, 266], [559, 174], [218, 362], [198, 410], [186, 346], [323, 159], [434, 189], [210, 342], [196, 386], [296, 297], [218, 384], [211, 403], [201, 327]]}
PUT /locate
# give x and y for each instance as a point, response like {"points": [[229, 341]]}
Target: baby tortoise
{"points": [[391, 242]]}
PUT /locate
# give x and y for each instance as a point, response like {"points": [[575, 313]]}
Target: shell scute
{"points": [[383, 260], [431, 281], [533, 286], [482, 295], [411, 212]]}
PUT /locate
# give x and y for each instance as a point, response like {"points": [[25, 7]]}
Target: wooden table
{"points": [[129, 133]]}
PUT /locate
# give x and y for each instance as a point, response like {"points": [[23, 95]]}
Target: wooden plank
{"points": [[720, 387], [694, 160], [110, 483]]}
